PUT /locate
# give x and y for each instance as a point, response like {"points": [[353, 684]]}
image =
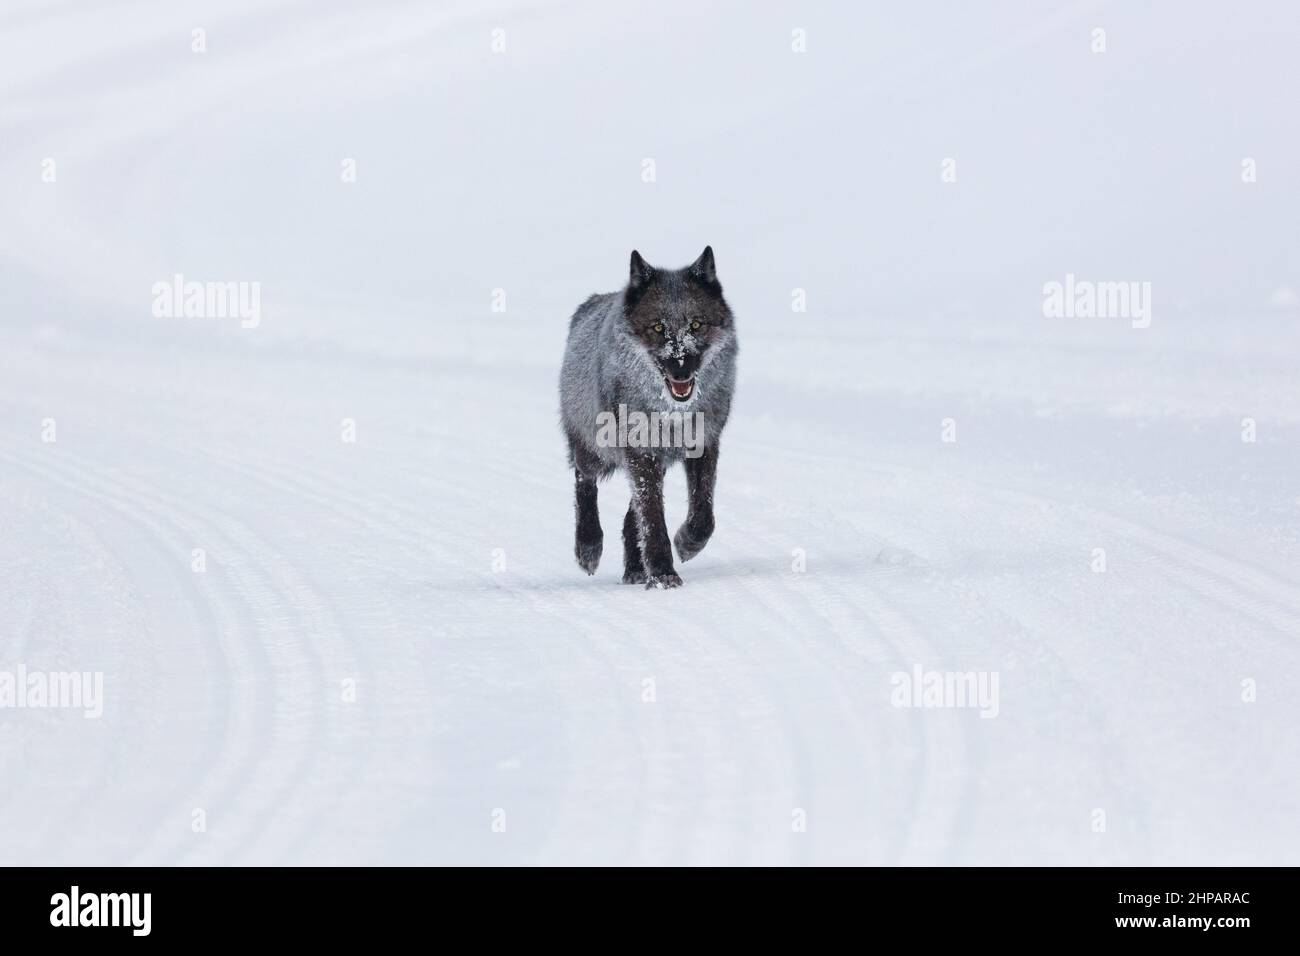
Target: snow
{"points": [[391, 655]]}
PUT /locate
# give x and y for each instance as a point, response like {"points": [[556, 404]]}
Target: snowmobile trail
{"points": [[522, 689], [211, 614]]}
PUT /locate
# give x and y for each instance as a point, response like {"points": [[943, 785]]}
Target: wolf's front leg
{"points": [[701, 474], [589, 538], [633, 566], [647, 476]]}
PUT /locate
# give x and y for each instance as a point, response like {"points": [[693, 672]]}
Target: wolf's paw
{"points": [[588, 554], [691, 538], [634, 576], [663, 581]]}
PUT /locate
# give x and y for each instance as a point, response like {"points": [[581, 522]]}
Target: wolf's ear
{"points": [[704, 269], [640, 272]]}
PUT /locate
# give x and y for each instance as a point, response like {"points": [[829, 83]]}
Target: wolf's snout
{"points": [[682, 368], [679, 373]]}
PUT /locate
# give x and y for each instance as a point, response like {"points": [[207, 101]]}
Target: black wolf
{"points": [[663, 348]]}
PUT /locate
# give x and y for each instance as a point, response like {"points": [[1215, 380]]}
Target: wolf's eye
{"points": [[695, 326], [659, 327]]}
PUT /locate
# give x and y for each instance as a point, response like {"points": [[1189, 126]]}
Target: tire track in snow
{"points": [[723, 790], [1220, 580], [582, 605], [218, 617], [934, 789], [780, 632], [267, 587], [843, 611], [298, 709], [394, 519], [46, 840]]}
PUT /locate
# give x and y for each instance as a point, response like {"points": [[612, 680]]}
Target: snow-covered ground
{"points": [[389, 654]]}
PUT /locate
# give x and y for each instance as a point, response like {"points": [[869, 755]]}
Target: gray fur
{"points": [[614, 356]]}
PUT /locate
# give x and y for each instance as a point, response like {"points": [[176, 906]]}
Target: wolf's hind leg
{"points": [[633, 568], [701, 475]]}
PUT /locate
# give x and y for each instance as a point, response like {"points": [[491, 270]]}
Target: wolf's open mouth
{"points": [[681, 390]]}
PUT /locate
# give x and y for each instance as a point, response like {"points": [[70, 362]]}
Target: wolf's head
{"points": [[678, 315]]}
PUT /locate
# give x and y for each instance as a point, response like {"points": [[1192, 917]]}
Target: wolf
{"points": [[665, 343]]}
